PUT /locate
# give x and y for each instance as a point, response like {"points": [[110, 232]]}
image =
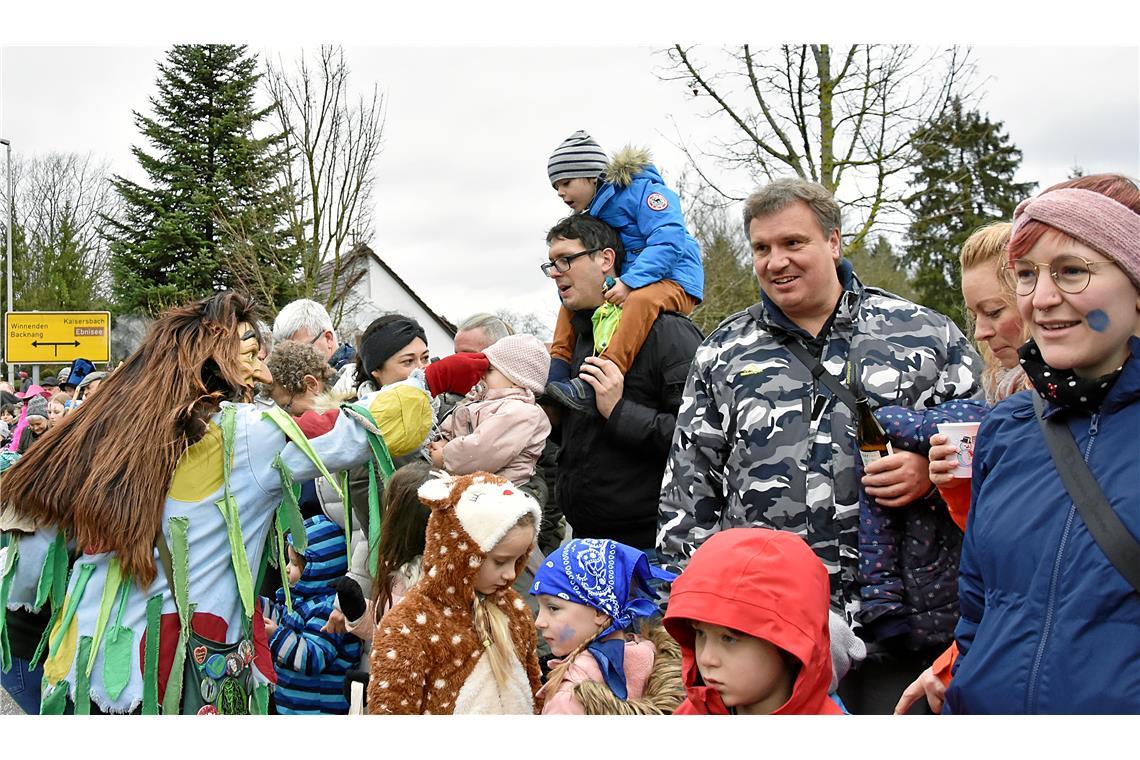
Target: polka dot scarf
{"points": [[1062, 386]]}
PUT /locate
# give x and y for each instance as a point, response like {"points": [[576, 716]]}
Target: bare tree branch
{"points": [[334, 142], [850, 111]]}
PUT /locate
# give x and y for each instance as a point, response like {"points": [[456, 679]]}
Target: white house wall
{"points": [[379, 294]]}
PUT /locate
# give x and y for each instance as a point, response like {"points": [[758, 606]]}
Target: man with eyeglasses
{"points": [[611, 462]]}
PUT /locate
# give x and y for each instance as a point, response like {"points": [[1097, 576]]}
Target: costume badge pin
{"points": [[208, 710], [657, 202], [216, 666], [200, 654], [245, 649], [209, 689], [234, 663]]}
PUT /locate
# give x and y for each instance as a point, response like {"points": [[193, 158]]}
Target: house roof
{"points": [[363, 251]]}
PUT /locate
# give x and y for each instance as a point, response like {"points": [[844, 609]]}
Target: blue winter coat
{"points": [[311, 663], [908, 556], [635, 201], [1048, 624]]}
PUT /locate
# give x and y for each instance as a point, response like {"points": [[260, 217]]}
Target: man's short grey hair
{"points": [[493, 327], [777, 195], [298, 314], [264, 336]]}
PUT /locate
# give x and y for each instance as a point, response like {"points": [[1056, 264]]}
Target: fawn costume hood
{"points": [[426, 655]]}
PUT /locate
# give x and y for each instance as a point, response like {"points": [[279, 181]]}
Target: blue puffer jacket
{"points": [[635, 201], [1048, 625], [908, 556], [311, 663]]}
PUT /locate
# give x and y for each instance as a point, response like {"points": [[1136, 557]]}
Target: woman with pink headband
{"points": [[1050, 574]]}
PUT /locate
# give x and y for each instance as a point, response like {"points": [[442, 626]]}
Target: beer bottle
{"points": [[872, 439], [873, 443]]}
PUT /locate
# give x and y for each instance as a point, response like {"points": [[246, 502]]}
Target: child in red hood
{"points": [[750, 613]]}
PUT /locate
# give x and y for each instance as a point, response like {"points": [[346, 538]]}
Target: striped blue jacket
{"points": [[311, 663]]}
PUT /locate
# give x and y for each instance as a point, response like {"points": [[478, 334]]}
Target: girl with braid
{"points": [[591, 592]]}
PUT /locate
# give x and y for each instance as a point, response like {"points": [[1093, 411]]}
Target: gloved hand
{"points": [[350, 598], [846, 648], [457, 373]]}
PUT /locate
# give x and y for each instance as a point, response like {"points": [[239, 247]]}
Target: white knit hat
{"points": [[523, 359]]}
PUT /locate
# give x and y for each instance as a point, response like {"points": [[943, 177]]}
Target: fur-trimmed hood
{"points": [[626, 164]]}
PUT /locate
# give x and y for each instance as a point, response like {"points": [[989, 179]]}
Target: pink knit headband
{"points": [[1096, 220]]}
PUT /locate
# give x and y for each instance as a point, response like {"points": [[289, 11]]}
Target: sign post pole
{"points": [[9, 306]]}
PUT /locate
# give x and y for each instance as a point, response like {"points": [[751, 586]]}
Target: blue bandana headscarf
{"points": [[610, 577]]}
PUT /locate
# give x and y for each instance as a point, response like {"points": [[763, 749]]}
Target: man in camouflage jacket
{"points": [[759, 441]]}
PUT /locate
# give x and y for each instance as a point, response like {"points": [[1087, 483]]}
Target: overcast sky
{"points": [[463, 201]]}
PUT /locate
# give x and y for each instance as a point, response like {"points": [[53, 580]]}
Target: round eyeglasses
{"points": [[562, 263], [1072, 274]]}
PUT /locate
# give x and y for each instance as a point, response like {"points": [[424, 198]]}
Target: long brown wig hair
{"points": [[101, 475]]}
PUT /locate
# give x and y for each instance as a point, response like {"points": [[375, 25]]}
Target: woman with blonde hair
{"points": [[998, 332]]}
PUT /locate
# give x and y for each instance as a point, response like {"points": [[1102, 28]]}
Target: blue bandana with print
{"points": [[610, 577]]}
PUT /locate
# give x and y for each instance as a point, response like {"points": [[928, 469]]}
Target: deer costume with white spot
{"points": [[427, 654]]}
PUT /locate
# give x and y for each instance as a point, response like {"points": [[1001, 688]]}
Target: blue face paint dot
{"points": [[1097, 320]]}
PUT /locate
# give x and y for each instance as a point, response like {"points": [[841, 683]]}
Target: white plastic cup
{"points": [[962, 436]]}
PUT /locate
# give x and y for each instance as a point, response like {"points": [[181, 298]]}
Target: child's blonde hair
{"points": [[492, 625]]}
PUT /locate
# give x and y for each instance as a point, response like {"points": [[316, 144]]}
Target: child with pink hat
{"points": [[499, 428]]}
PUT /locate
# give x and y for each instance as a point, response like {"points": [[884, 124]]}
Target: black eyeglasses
{"points": [[562, 264], [1071, 273]]}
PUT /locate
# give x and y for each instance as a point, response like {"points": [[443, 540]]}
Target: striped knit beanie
{"points": [[577, 156]]}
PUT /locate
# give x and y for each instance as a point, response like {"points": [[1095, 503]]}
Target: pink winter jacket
{"points": [[639, 657], [503, 432]]}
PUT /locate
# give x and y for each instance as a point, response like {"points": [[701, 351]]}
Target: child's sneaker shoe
{"points": [[574, 394]]}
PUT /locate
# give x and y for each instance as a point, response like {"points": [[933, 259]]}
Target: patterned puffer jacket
{"points": [[908, 558], [760, 442]]}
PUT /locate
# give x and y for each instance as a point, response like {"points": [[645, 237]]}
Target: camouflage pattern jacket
{"points": [[759, 442]]}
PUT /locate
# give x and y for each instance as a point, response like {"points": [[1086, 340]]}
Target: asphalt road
{"points": [[8, 705]]}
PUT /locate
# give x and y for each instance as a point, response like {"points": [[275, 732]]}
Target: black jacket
{"points": [[609, 471]]}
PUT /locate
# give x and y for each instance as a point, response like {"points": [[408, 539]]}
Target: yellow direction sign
{"points": [[56, 337]]}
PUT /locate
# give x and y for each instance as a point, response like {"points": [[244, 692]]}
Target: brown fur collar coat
{"points": [[426, 655]]}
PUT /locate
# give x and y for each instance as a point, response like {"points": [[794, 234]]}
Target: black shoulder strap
{"points": [[819, 372], [1110, 534]]}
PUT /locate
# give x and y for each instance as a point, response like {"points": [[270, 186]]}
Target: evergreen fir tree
{"points": [[963, 180], [209, 176], [880, 267]]}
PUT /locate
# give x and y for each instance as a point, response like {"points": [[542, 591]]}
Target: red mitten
{"points": [[314, 424], [457, 373]]}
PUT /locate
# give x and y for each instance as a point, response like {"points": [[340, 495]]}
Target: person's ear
{"points": [[312, 384], [601, 619], [835, 244], [609, 259]]}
